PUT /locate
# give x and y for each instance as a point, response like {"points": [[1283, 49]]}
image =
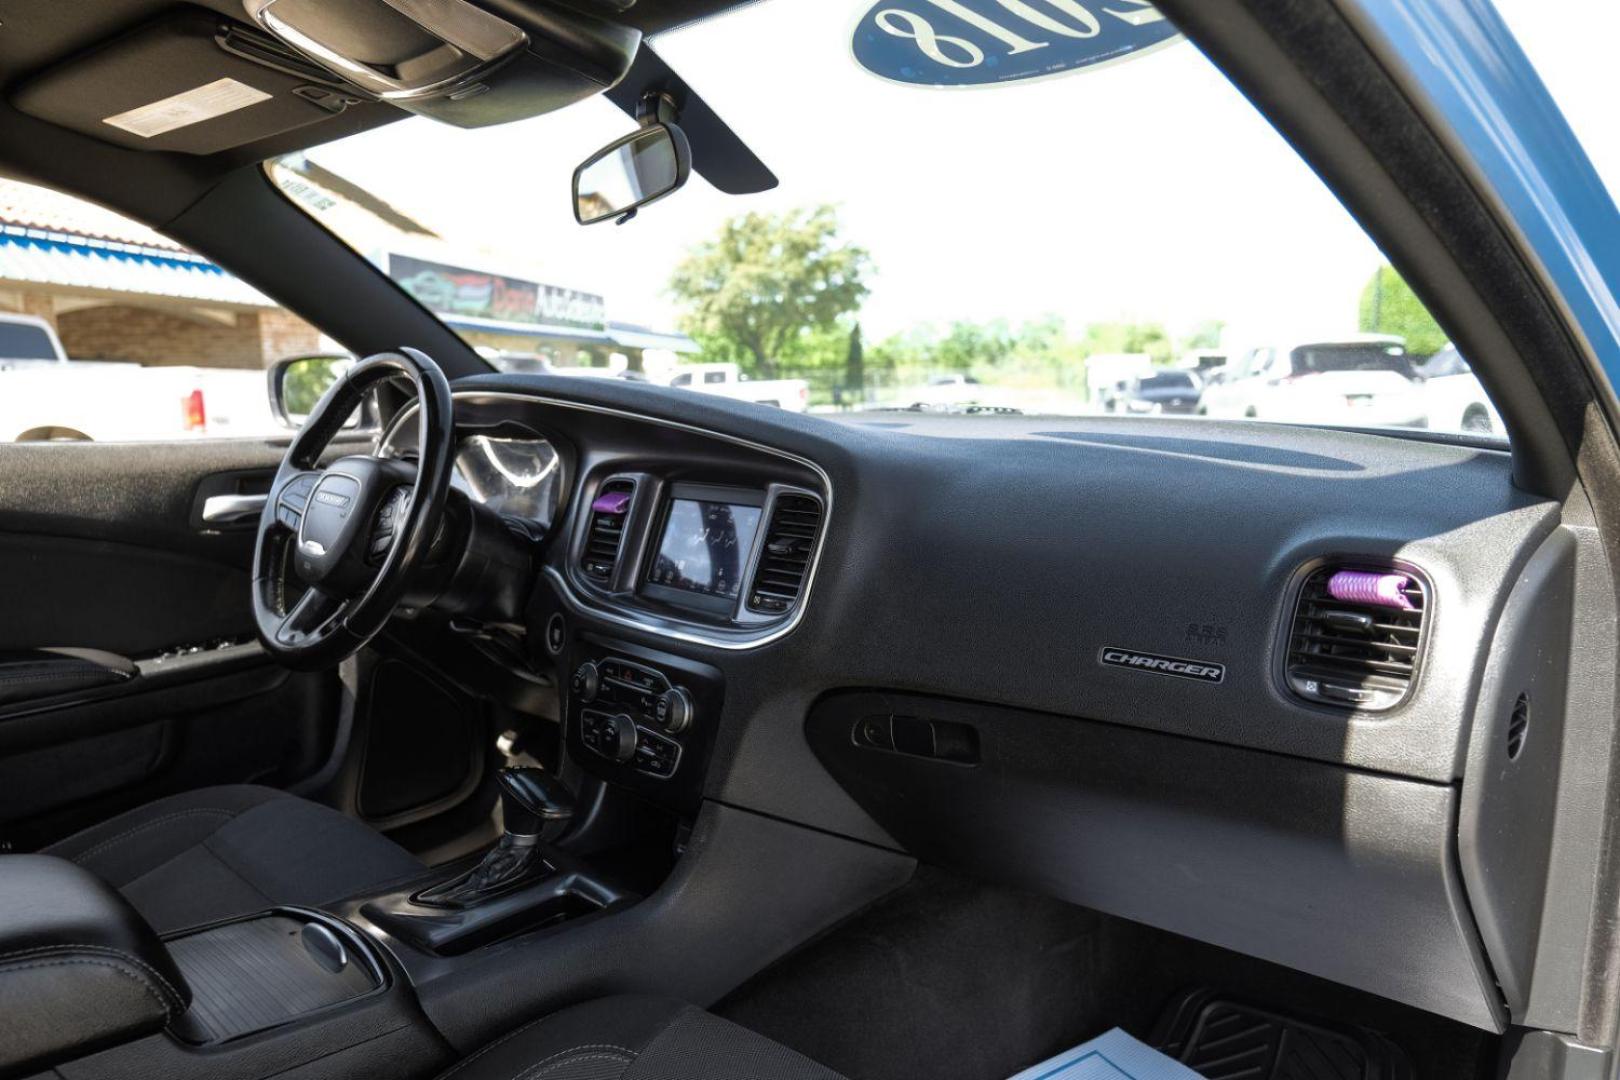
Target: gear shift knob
{"points": [[531, 799]]}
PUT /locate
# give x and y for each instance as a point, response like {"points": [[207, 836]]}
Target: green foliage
{"points": [[307, 379], [771, 289], [855, 360], [1206, 336], [1129, 337], [1389, 306]]}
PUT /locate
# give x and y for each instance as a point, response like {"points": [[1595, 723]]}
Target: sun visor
{"points": [[191, 82], [195, 82]]}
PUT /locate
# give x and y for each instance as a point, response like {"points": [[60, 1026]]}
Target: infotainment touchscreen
{"points": [[705, 547]]}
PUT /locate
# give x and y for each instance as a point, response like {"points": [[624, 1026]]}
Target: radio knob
{"points": [[621, 738], [674, 710], [587, 682]]}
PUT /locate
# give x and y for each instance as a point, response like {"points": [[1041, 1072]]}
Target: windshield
{"points": [[1313, 359], [1036, 244]]}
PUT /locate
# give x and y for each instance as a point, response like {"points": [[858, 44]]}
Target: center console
{"points": [[84, 979], [256, 973]]}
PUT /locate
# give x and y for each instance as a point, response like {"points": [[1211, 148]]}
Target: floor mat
{"points": [[953, 979], [1229, 1040]]}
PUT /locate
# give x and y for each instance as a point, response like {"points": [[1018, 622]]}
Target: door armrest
{"points": [[47, 673]]}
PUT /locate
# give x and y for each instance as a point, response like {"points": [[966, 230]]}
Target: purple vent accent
{"points": [[1362, 587], [614, 502]]}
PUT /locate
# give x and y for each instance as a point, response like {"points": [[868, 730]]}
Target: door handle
{"points": [[231, 509]]}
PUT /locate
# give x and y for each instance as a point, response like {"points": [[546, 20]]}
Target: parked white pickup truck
{"points": [[727, 380], [45, 396]]}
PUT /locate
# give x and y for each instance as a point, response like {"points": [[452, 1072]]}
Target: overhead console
{"points": [[454, 60]]}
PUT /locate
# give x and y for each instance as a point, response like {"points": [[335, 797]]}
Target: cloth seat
{"points": [[636, 1038], [219, 852]]}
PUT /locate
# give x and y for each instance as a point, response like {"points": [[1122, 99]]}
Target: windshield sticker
{"points": [[956, 43]]}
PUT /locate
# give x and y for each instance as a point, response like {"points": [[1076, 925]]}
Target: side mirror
{"points": [[629, 173], [298, 382]]}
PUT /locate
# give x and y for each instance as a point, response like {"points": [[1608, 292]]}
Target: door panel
{"points": [[102, 546], [64, 592]]}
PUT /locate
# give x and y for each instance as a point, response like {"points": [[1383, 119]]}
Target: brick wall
{"points": [[37, 304], [251, 339], [283, 334]]}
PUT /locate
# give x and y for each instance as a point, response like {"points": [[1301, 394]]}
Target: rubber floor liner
{"points": [[1226, 1040]]}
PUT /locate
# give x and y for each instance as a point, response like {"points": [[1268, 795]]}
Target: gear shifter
{"points": [[531, 799]]}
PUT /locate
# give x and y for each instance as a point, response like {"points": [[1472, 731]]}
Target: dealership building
{"points": [[116, 290], [501, 312]]}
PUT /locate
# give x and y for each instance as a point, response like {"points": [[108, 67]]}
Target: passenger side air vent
{"points": [[1357, 636], [605, 533], [784, 563]]}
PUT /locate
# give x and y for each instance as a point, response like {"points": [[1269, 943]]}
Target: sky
{"points": [[1149, 189]]}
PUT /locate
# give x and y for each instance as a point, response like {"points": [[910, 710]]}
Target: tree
{"points": [[1129, 337], [855, 364], [970, 345], [1389, 306], [767, 282], [1207, 335]]}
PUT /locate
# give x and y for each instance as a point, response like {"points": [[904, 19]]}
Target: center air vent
{"points": [[784, 563], [605, 533], [1357, 636]]}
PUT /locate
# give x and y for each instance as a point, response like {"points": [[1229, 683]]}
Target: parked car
{"points": [[1107, 375], [1163, 392], [727, 380], [1359, 380], [45, 396], [1454, 397], [942, 391]]}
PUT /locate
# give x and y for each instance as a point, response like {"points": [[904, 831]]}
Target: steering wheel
{"points": [[350, 533]]}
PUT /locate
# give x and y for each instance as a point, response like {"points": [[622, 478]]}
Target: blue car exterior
{"points": [[1463, 67]]}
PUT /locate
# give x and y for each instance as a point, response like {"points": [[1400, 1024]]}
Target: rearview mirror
{"points": [[298, 382], [631, 172]]}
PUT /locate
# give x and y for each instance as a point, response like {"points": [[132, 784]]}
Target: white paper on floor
{"points": [[1111, 1056]]}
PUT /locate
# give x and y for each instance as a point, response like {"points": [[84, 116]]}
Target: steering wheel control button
{"points": [[673, 710], [587, 682], [294, 501], [556, 634], [389, 520], [296, 493]]}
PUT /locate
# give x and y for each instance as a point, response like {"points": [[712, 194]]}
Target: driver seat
{"points": [[213, 854]]}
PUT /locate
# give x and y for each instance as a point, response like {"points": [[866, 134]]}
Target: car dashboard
{"points": [[1103, 659]]}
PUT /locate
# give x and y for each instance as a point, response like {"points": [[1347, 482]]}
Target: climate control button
{"points": [[674, 710], [587, 682], [613, 736]]}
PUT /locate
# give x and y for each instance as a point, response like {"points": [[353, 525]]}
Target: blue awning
{"points": [[41, 257]]}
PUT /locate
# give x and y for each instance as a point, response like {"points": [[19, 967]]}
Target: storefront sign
{"points": [[453, 290]]}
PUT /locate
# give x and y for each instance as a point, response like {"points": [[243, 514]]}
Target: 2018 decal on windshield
{"points": [[987, 42]]}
